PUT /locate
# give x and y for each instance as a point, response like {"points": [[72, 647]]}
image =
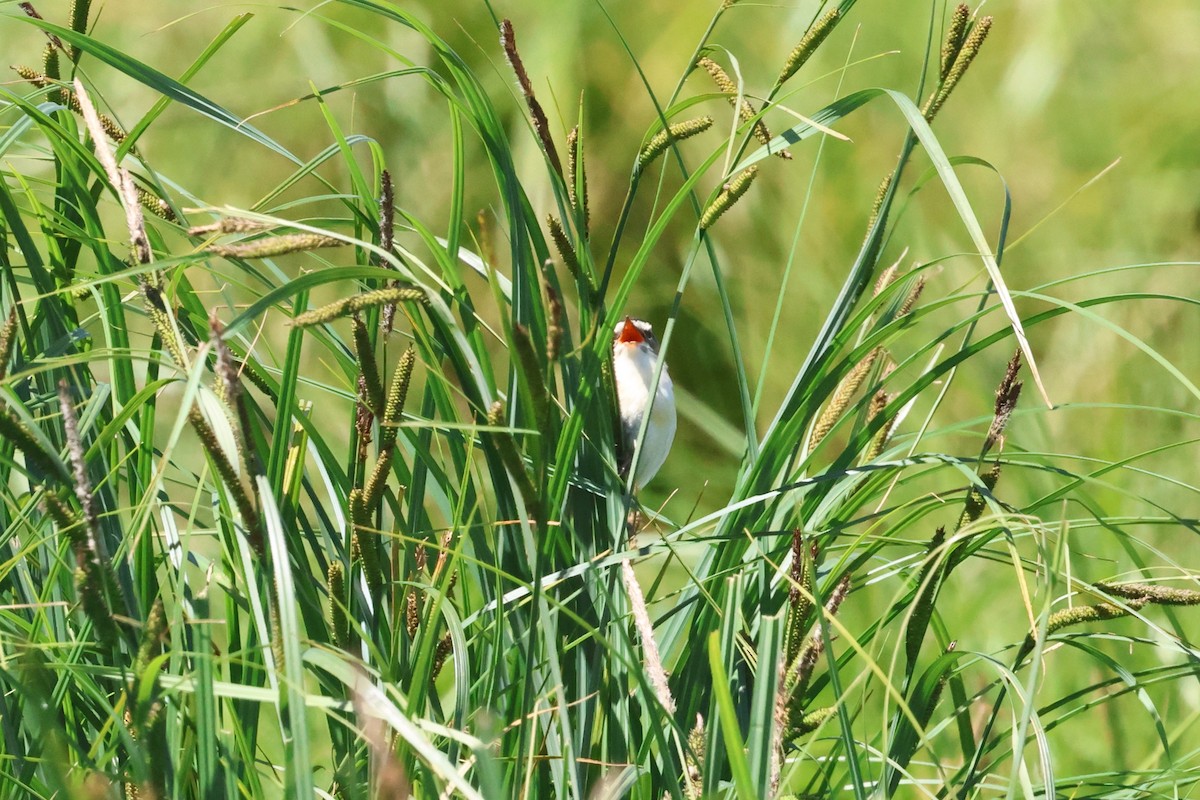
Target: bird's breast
{"points": [[633, 372]]}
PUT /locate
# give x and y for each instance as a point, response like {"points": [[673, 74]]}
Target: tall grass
{"points": [[319, 498]]}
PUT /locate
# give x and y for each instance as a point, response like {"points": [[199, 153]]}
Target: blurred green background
{"points": [[1061, 92]]}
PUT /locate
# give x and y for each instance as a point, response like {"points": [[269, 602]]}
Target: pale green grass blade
{"points": [[925, 134], [297, 754]]}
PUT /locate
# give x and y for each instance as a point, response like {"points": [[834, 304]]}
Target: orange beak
{"points": [[630, 333]]}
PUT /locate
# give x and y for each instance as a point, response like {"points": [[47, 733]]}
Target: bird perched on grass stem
{"points": [[635, 358]]}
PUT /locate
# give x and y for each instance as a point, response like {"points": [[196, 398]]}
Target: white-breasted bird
{"points": [[635, 356]]}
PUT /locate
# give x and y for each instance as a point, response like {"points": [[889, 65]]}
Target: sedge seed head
{"points": [[677, 132], [732, 192], [808, 45]]}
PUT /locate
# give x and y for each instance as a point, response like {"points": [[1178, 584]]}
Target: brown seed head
{"points": [[541, 126], [1007, 395], [387, 212]]}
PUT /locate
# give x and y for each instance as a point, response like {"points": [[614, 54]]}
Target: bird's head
{"points": [[633, 333]]}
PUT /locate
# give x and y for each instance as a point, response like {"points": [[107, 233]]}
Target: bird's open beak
{"points": [[630, 333]]}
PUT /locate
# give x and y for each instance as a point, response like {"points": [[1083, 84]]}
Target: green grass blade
{"points": [[735, 748]]}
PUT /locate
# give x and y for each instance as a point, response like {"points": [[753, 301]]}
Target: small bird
{"points": [[635, 357]]}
